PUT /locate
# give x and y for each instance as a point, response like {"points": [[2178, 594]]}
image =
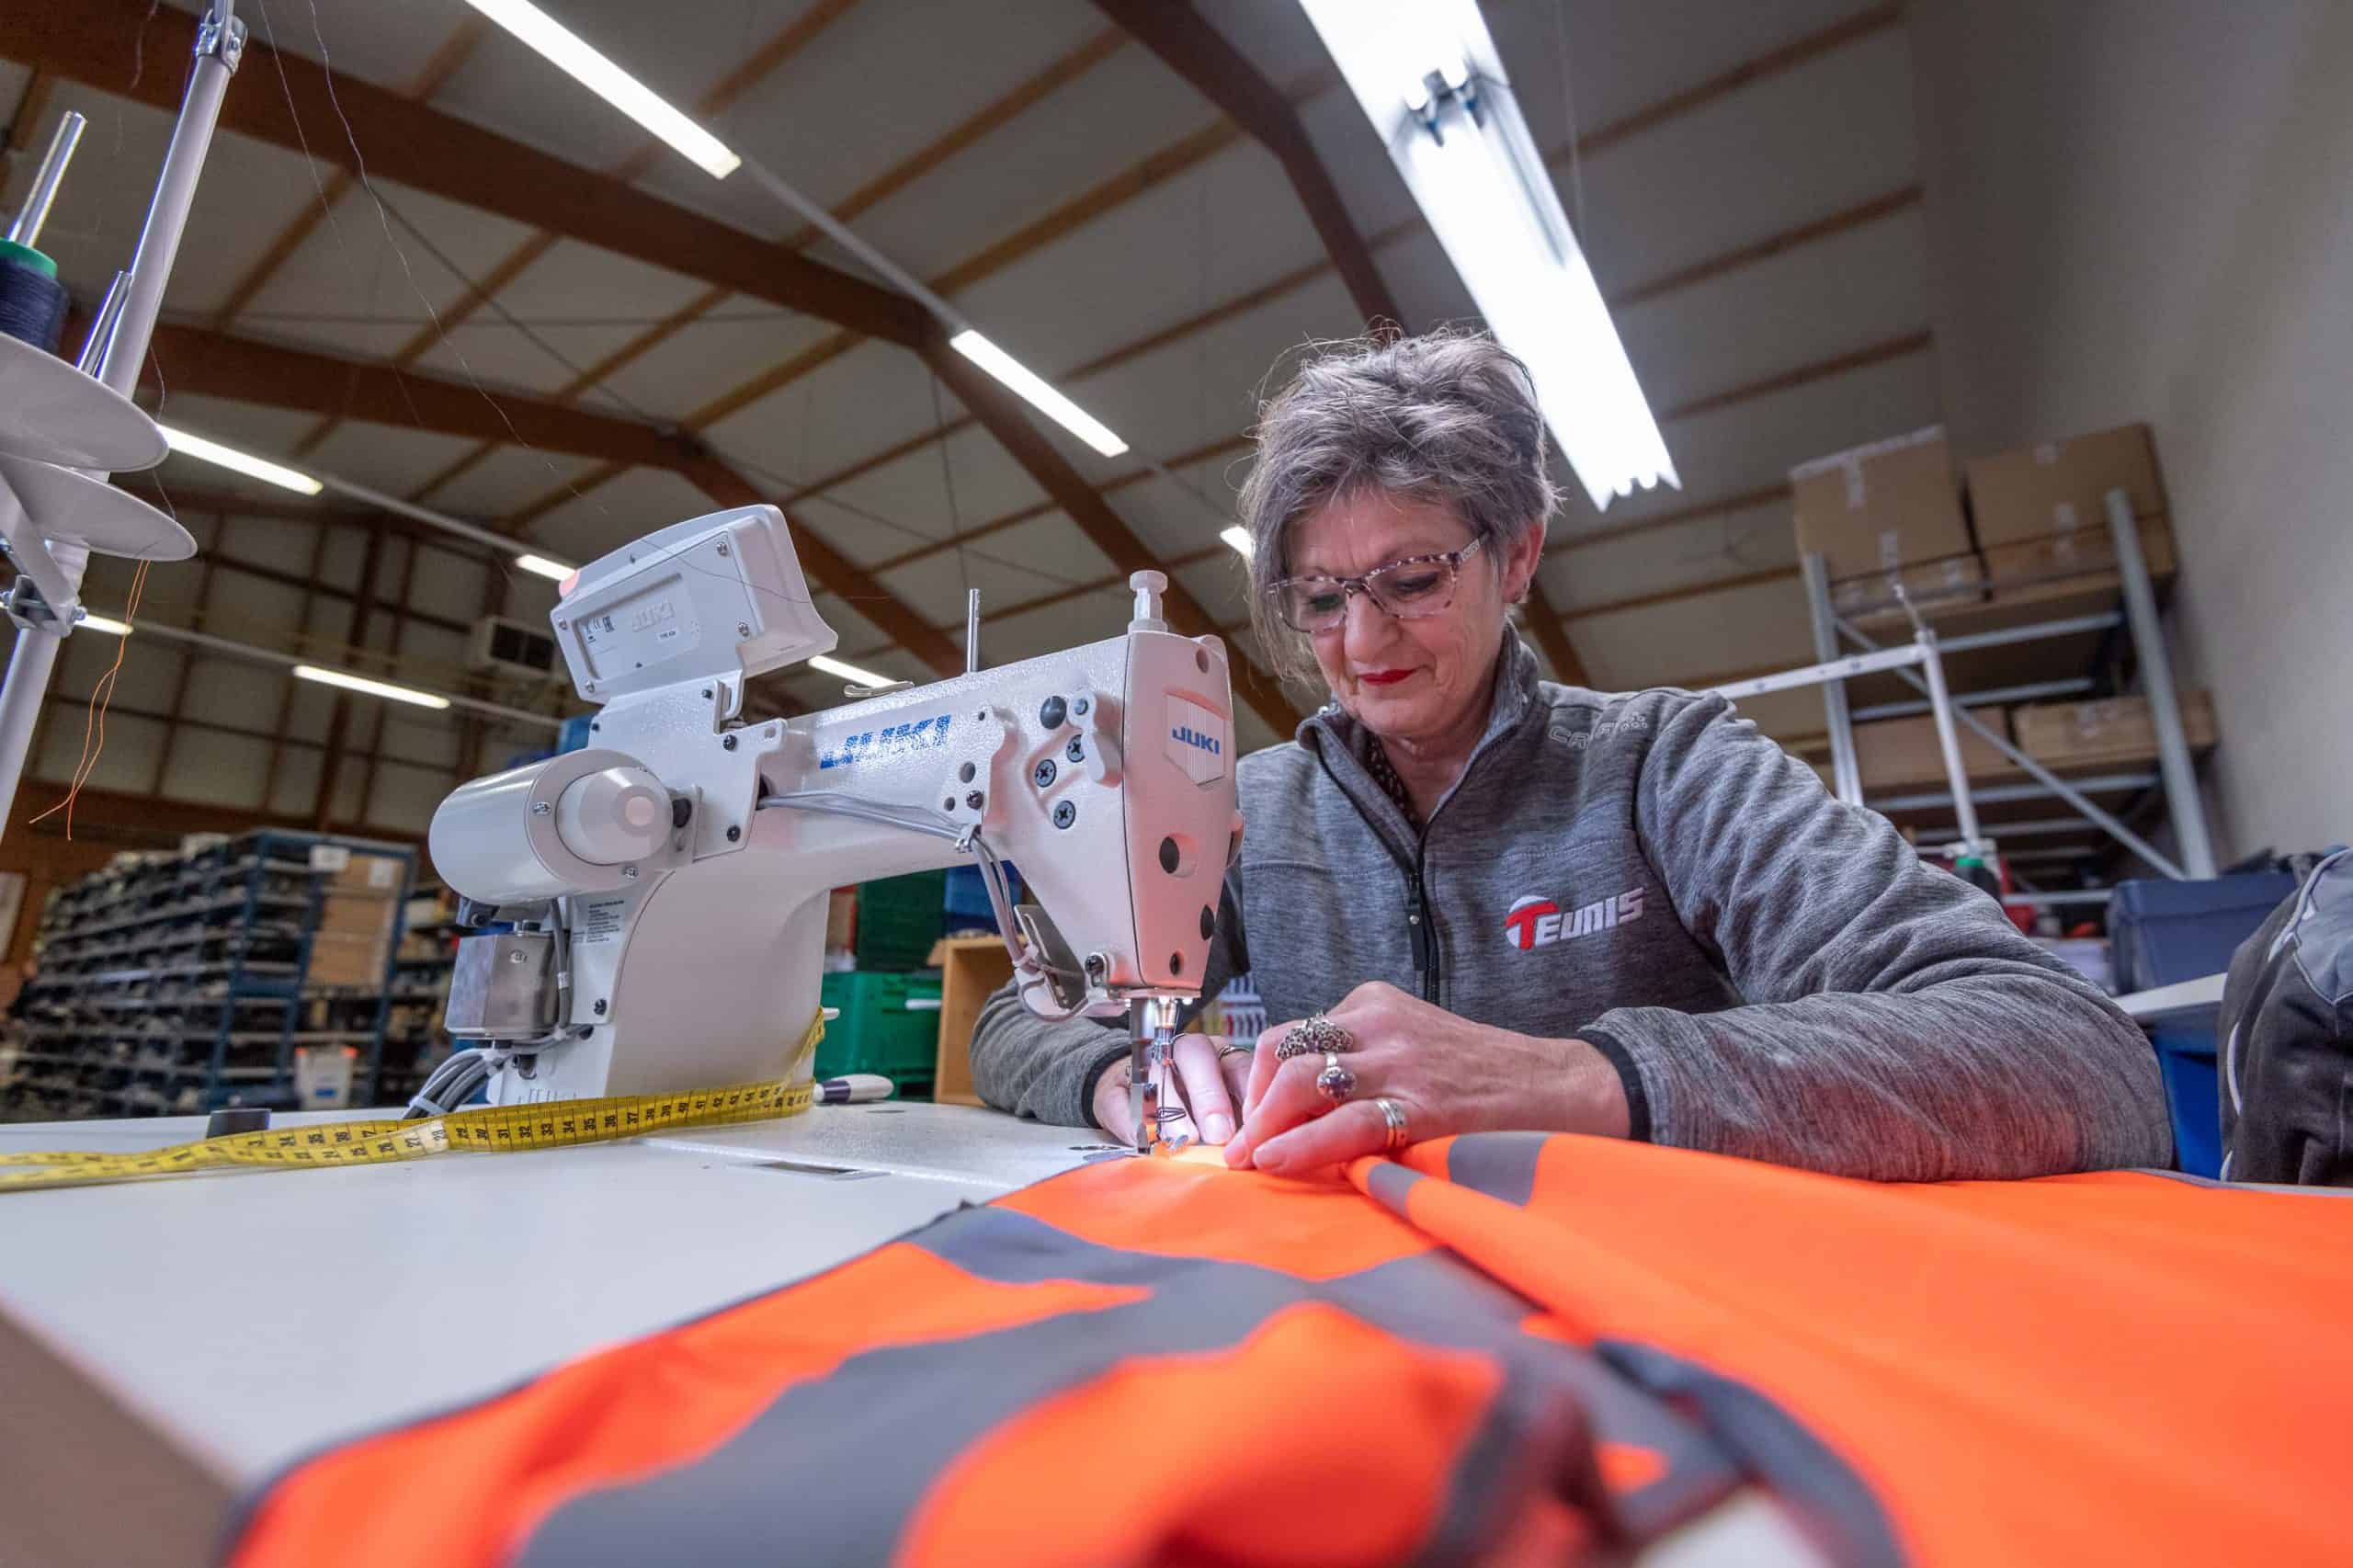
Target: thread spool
{"points": [[32, 302]]}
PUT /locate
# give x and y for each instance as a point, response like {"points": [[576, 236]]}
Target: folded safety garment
{"points": [[1495, 1348]]}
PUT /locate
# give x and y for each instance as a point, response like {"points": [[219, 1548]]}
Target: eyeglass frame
{"points": [[1363, 585]]}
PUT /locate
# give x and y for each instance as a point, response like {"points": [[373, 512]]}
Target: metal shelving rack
{"points": [[1919, 666], [179, 985]]}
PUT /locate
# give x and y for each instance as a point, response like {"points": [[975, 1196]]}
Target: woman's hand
{"points": [[1209, 1081], [1448, 1074]]}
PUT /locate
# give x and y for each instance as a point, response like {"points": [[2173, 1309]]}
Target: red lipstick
{"points": [[1383, 677]]}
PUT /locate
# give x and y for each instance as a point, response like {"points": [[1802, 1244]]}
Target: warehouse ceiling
{"points": [[594, 347]]}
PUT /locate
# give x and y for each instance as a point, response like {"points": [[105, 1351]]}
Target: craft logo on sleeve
{"points": [[1535, 921], [1196, 740]]}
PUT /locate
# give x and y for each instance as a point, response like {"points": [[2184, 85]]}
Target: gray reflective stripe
{"points": [[1531, 1444], [1430, 1297], [850, 1456], [1389, 1183], [2285, 1188], [1833, 1505], [1501, 1165]]}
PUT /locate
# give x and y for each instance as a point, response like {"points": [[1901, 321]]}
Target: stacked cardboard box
{"points": [[1893, 753], [2040, 511], [2112, 731], [359, 909], [1887, 513]]}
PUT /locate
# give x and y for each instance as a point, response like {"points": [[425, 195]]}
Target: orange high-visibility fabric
{"points": [[494, 1468], [2106, 1368], [2116, 1367]]}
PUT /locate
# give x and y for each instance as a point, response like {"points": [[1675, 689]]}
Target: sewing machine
{"points": [[666, 888]]}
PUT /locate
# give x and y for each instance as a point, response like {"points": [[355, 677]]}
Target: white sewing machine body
{"points": [[690, 918]]}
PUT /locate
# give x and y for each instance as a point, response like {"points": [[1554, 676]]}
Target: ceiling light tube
{"points": [[371, 687], [851, 673], [572, 55], [1468, 158], [252, 466], [1239, 539], [1034, 390], [107, 624], [539, 565]]}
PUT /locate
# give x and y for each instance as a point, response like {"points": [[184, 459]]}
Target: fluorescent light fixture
{"points": [[572, 55], [112, 628], [1239, 539], [252, 466], [372, 688], [1034, 390], [1467, 157], [849, 672], [542, 566]]}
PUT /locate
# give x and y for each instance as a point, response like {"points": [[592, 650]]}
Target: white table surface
{"points": [[2183, 996], [250, 1316]]}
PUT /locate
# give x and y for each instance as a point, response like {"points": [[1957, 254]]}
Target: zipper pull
{"points": [[1417, 926]]}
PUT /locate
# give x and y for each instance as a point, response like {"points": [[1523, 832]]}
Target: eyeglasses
{"points": [[1409, 589]]}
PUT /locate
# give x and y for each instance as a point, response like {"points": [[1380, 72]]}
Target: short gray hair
{"points": [[1450, 417]]}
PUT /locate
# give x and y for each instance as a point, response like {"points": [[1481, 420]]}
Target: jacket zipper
{"points": [[1417, 916]]}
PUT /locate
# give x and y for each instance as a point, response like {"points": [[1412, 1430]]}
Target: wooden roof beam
{"points": [[94, 41], [1188, 44]]}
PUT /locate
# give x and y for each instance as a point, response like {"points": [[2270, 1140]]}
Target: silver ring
{"points": [[1394, 1115], [1335, 1083], [1317, 1034], [1230, 1049]]}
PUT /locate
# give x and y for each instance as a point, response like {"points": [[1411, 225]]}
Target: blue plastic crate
{"points": [[968, 898], [573, 735], [2193, 1079], [2164, 931]]}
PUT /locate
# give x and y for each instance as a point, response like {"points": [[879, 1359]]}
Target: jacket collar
{"points": [[1342, 743], [1332, 728]]}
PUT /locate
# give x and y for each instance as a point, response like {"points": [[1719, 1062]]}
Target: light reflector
{"points": [[252, 466], [576, 58], [849, 672], [1467, 157], [371, 687], [1034, 390]]}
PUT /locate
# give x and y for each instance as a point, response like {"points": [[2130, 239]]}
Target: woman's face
{"points": [[1419, 678]]}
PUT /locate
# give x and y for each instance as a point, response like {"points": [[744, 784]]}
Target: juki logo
{"points": [[1192, 737], [924, 735], [1538, 922]]}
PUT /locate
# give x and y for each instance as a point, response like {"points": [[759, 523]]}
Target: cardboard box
{"points": [[341, 959], [1902, 751], [1932, 585], [1880, 508], [2057, 487], [2117, 729], [357, 870], [2057, 557], [357, 914]]}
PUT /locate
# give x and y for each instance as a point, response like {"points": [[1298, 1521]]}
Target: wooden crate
{"points": [[971, 969]]}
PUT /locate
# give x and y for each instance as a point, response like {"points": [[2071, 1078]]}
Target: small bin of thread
{"points": [[889, 1024]]}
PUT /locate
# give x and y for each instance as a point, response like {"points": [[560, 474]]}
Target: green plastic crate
{"points": [[878, 1033], [898, 919]]}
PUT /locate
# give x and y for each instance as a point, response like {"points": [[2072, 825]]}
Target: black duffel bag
{"points": [[2287, 1036]]}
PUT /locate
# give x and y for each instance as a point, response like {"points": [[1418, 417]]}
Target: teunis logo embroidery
{"points": [[1538, 922], [924, 735]]}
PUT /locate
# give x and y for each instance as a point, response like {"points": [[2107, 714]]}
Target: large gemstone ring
{"points": [[1318, 1034], [1335, 1083]]}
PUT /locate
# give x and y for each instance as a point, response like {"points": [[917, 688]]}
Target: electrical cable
{"points": [[1029, 967]]}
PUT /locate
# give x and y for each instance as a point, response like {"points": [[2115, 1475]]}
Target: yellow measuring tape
{"points": [[556, 1124]]}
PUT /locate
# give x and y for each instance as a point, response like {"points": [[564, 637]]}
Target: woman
{"points": [[1522, 905]]}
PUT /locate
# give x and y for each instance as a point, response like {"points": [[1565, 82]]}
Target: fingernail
{"points": [[1219, 1129], [1236, 1155]]}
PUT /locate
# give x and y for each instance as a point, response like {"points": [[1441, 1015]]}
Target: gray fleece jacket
{"points": [[1775, 974]]}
